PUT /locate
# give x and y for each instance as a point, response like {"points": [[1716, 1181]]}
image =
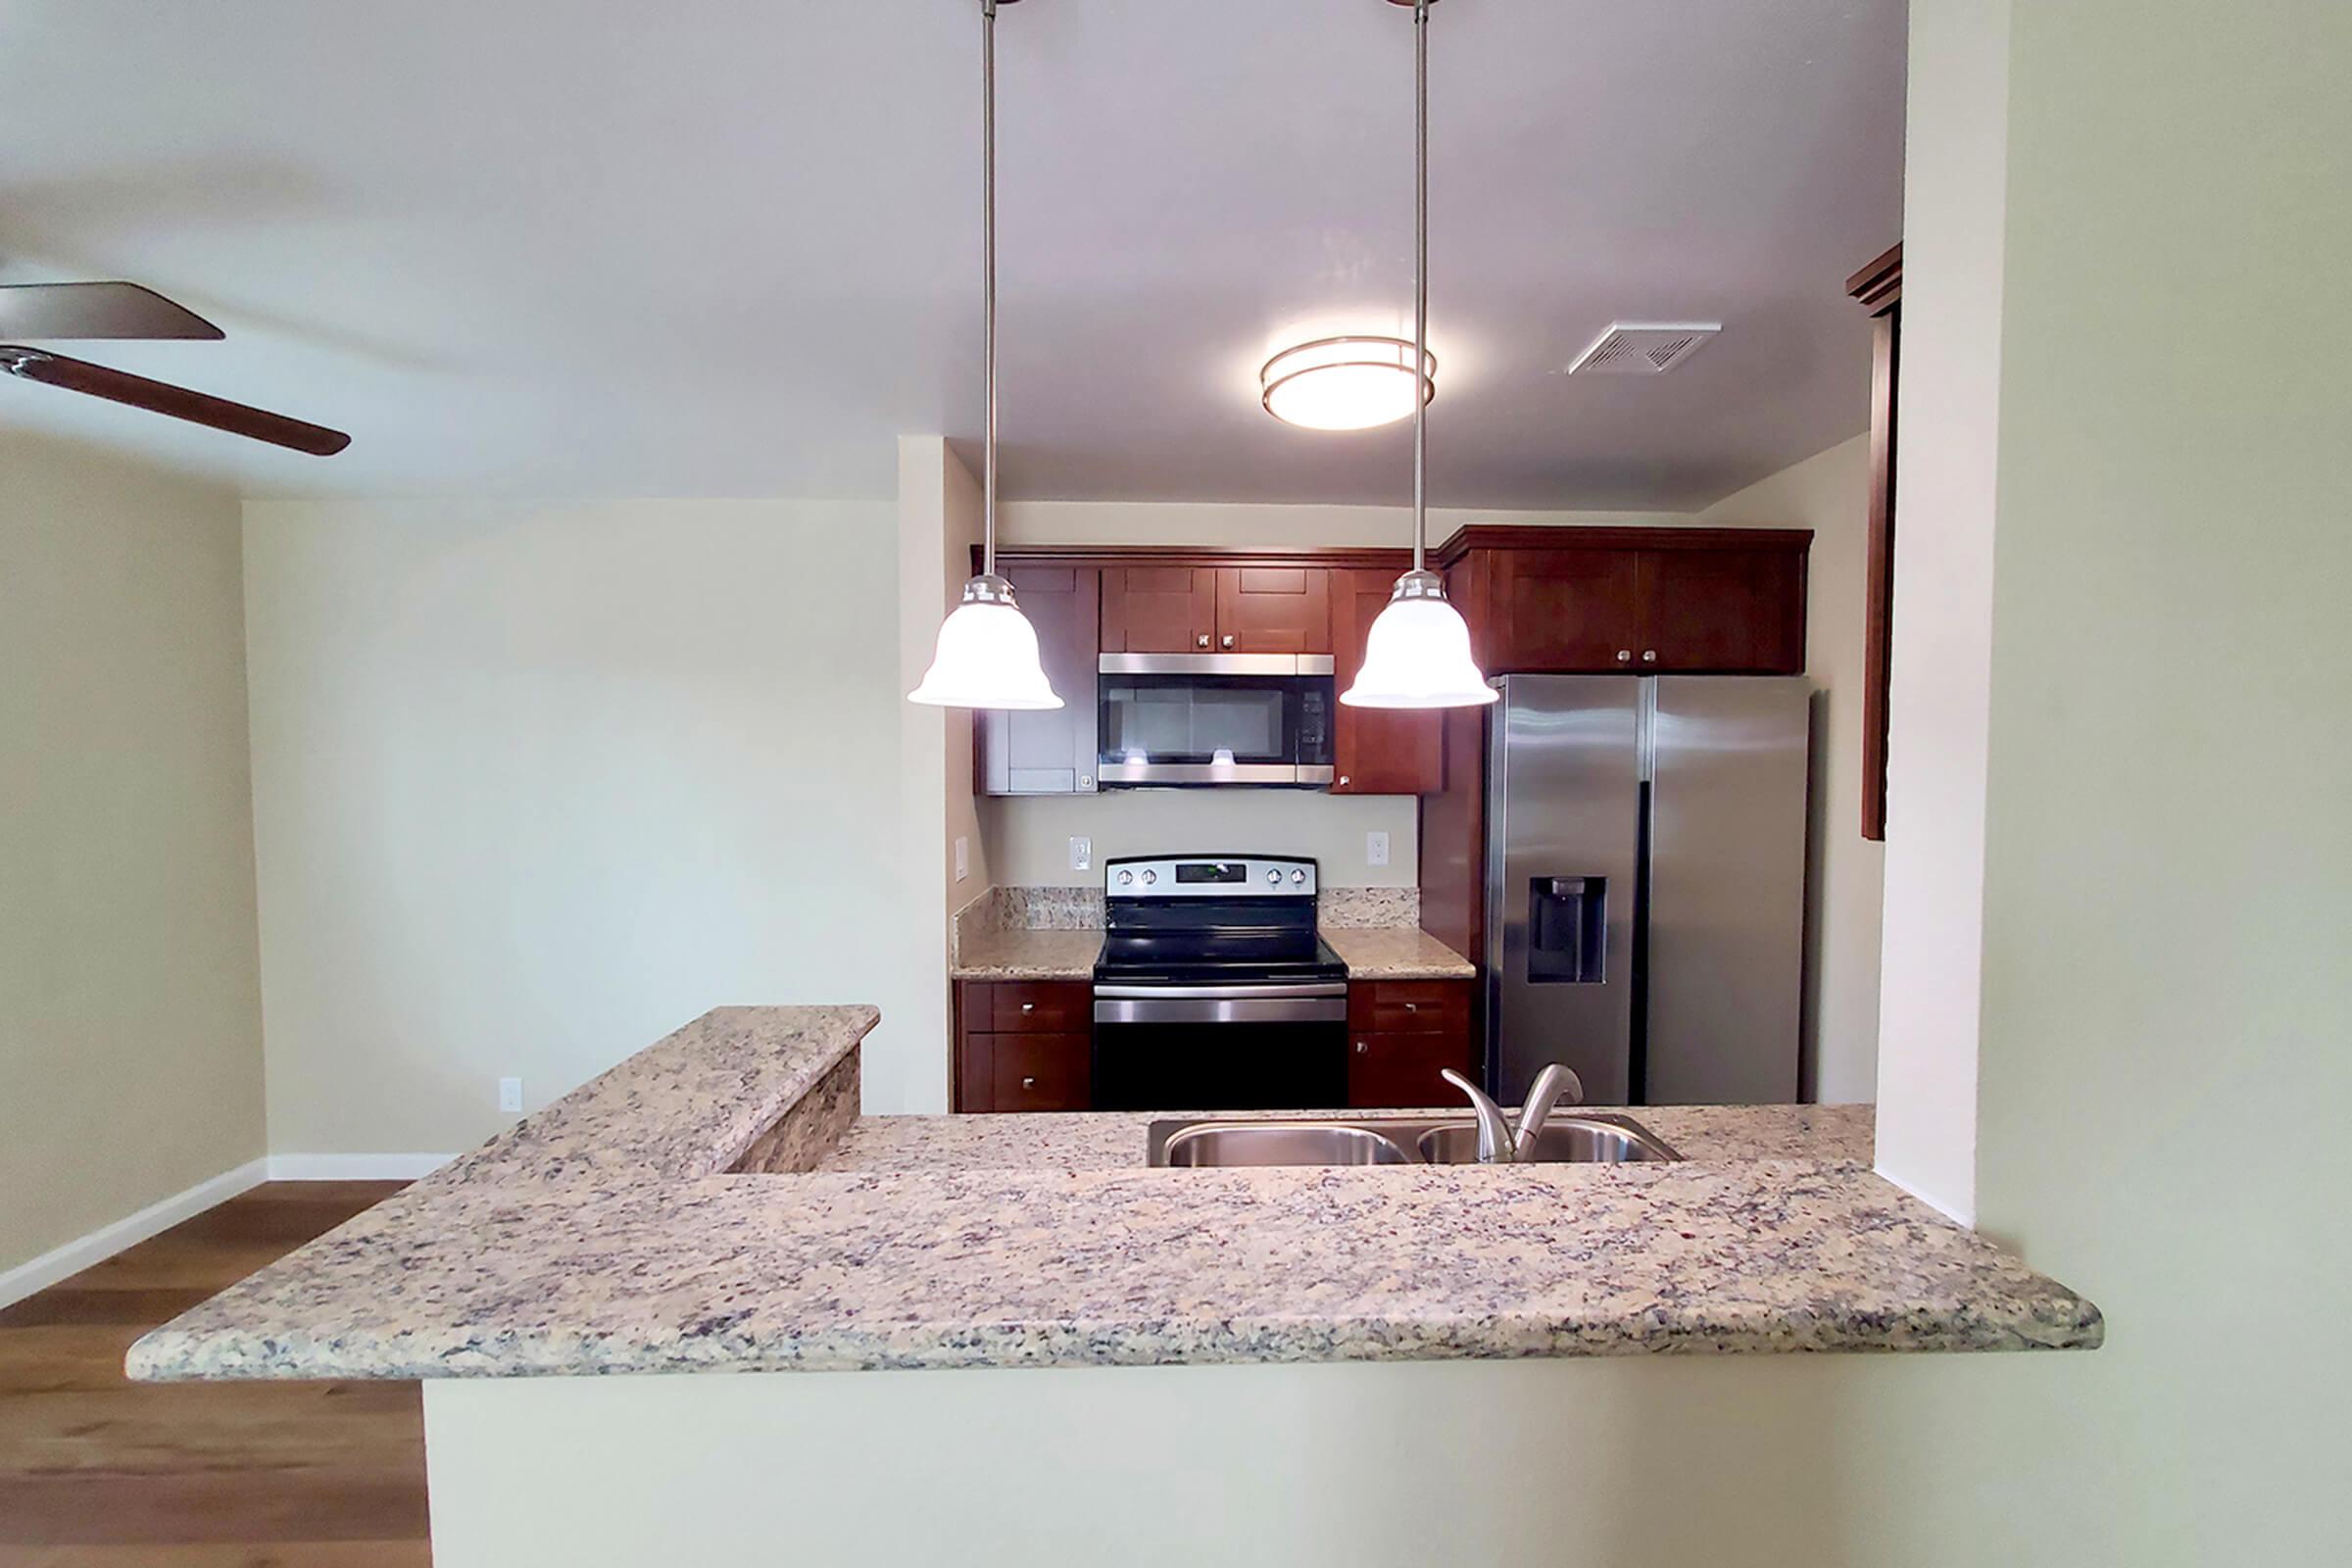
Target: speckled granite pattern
{"points": [[594, 1238], [1396, 954], [1027, 956], [1111, 1140], [690, 1103], [1337, 909], [811, 1130], [1061, 1268]]}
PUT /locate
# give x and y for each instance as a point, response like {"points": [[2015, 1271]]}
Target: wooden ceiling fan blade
{"points": [[49, 311], [177, 401]]}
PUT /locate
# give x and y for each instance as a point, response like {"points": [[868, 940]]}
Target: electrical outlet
{"points": [[964, 857], [1376, 849], [1082, 854], [509, 1094]]}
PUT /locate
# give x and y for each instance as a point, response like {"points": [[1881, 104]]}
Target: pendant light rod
{"points": [[988, 262], [1420, 278]]}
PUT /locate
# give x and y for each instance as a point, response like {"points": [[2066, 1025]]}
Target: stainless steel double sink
{"points": [[1568, 1137]]}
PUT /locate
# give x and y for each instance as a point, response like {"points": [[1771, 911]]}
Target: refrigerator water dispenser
{"points": [[1567, 920]]}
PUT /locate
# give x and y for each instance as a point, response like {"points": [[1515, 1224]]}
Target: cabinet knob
{"points": [[1204, 639], [1649, 655], [1028, 1006], [1228, 639], [1363, 1048], [1412, 1007], [1344, 779], [1625, 655], [1028, 1083]]}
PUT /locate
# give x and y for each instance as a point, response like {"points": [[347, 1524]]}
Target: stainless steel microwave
{"points": [[1201, 719]]}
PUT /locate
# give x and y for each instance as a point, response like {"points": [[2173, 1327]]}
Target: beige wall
{"points": [[1949, 426], [533, 784], [1830, 494], [130, 1050], [2168, 865], [1029, 840]]}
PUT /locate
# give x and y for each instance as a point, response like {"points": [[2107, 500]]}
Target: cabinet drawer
{"points": [[1410, 1006], [1040, 1007], [1041, 1072], [1403, 1070]]}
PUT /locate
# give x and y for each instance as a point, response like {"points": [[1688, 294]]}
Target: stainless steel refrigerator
{"points": [[1646, 885]]}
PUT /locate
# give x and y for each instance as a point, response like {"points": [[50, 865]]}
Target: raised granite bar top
{"points": [[1371, 952], [594, 1238]]}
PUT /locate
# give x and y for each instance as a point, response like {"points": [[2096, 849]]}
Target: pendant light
{"points": [[986, 654], [1417, 653]]}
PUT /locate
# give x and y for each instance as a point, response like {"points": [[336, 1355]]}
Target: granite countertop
{"points": [[1371, 952], [624, 1230], [1396, 953], [1117, 1140]]}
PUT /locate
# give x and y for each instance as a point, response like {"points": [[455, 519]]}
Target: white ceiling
{"points": [[548, 247]]}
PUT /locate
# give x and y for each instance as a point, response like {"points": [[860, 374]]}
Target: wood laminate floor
{"points": [[97, 1470]]}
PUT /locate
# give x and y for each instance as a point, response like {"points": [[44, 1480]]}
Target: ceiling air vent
{"points": [[1642, 348]]}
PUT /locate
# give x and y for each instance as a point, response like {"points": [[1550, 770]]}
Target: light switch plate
{"points": [[1376, 849], [963, 857], [1082, 854]]}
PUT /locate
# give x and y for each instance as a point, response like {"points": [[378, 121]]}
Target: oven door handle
{"points": [[1315, 988], [1299, 1003]]}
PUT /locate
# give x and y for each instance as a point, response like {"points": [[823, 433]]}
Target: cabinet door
{"points": [[1049, 753], [1402, 1070], [1377, 751], [1728, 611], [1159, 610], [1273, 610], [1566, 611], [1043, 1072]]}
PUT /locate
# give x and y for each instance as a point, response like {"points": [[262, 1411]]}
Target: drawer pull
{"points": [[1028, 1083], [1412, 1007], [1028, 1006], [1363, 1048]]}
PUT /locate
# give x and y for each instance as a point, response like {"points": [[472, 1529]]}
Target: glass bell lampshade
{"points": [[1417, 653], [986, 654]]}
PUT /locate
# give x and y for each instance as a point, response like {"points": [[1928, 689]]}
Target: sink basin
{"points": [[1276, 1143], [1594, 1138], [1563, 1140]]}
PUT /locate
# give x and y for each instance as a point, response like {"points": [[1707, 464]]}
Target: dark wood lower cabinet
{"points": [[1401, 1034], [1024, 1046]]}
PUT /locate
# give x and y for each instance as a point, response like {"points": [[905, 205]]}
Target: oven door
{"points": [[1195, 719], [1220, 1046]]}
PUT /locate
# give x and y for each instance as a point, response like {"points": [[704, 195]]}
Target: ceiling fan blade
{"points": [[162, 397], [45, 311]]}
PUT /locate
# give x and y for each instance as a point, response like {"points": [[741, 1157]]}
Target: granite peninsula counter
{"points": [[714, 1204]]}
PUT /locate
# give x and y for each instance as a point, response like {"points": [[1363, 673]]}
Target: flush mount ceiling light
{"points": [[1417, 653], [986, 654], [1345, 383]]}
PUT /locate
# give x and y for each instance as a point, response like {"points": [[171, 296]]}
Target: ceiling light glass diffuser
{"points": [[1417, 653], [986, 654], [1345, 383]]}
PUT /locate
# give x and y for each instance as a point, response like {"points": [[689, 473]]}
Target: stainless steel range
{"points": [[1214, 991]]}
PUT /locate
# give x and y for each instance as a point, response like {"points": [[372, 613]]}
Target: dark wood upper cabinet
{"points": [[1159, 610], [1376, 751], [1731, 610], [1053, 752], [1564, 609], [1729, 601], [1273, 610]]}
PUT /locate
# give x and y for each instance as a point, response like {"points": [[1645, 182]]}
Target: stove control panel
{"points": [[1256, 876]]}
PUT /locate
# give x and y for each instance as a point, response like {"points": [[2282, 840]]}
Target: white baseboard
{"points": [[354, 1167], [105, 1242]]}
